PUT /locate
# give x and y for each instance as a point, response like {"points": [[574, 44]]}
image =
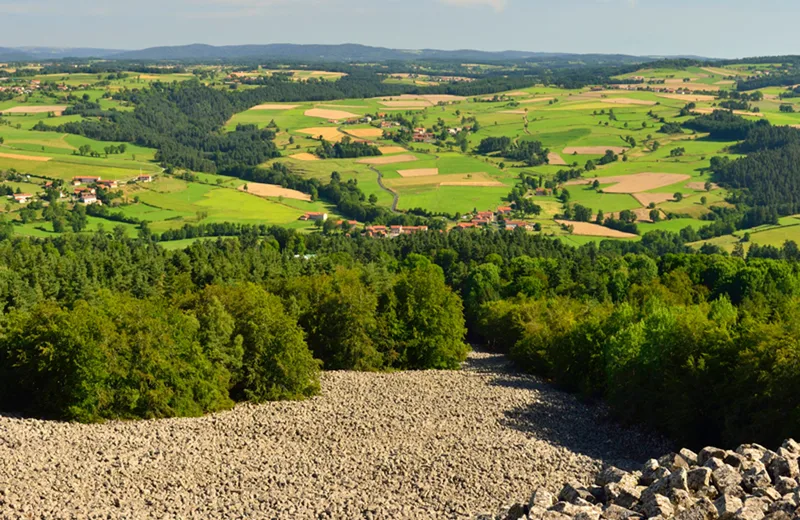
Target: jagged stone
{"points": [[555, 515], [541, 498], [673, 462], [756, 477], [792, 446], [651, 472], [536, 512], [516, 512], [569, 508], [622, 495], [735, 460], [726, 479], [573, 491], [588, 514], [703, 509], [727, 506], [615, 512], [749, 512], [681, 498], [615, 475], [785, 485], [689, 456], [782, 467], [780, 515], [709, 452], [676, 480], [767, 492], [698, 478], [655, 505]]}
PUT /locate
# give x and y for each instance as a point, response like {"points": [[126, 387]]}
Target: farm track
{"points": [[404, 445], [395, 195]]}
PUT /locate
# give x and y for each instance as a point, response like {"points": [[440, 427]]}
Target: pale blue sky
{"points": [[716, 28]]}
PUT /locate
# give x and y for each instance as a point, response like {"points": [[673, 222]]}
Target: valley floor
{"points": [[402, 445]]}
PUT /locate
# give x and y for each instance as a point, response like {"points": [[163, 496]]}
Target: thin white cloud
{"points": [[497, 5]]}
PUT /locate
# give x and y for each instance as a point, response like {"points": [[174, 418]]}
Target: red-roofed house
{"points": [[514, 224], [315, 216], [23, 198], [77, 181], [505, 210]]}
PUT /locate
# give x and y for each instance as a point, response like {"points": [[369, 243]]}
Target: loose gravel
{"points": [[411, 445]]}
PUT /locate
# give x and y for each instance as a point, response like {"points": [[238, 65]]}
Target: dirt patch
{"points": [[628, 101], [273, 190], [645, 199], [327, 133], [388, 150], [688, 97], [24, 157], [330, 114], [272, 106], [365, 133], [719, 72], [737, 112], [387, 160], [701, 186], [478, 184], [42, 109], [556, 160], [636, 183], [518, 93], [593, 150], [419, 172], [517, 112], [594, 230], [304, 157]]}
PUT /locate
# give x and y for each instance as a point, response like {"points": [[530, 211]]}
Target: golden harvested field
{"points": [[29, 109], [328, 133], [636, 183], [24, 157], [387, 160], [273, 190], [646, 198], [304, 157], [556, 160], [719, 72], [456, 179], [628, 101], [688, 97], [388, 150], [433, 99], [273, 106], [365, 133], [592, 150], [330, 114], [518, 112], [405, 104], [55, 143], [594, 230], [701, 186], [419, 172], [518, 93], [679, 84]]}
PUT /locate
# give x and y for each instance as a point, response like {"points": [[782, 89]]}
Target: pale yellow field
{"points": [[25, 157], [457, 179], [388, 150], [273, 190], [628, 101], [405, 104], [420, 172], [594, 230], [387, 160], [273, 106], [304, 157], [365, 133], [737, 112], [42, 109], [701, 186], [536, 100], [556, 160], [330, 114], [327, 133], [636, 183]]}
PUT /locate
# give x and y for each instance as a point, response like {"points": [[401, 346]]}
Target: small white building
{"points": [[23, 198]]}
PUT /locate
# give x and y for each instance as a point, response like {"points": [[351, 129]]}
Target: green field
{"points": [[558, 118]]}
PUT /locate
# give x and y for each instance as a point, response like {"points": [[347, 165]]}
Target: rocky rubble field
{"points": [[411, 445], [751, 483]]}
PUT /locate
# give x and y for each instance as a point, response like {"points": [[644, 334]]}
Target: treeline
{"points": [[185, 333], [346, 149], [532, 153], [724, 125]]}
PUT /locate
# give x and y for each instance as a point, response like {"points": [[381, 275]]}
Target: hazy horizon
{"points": [[710, 28]]}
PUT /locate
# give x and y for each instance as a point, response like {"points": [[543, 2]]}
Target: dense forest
{"points": [[680, 341]]}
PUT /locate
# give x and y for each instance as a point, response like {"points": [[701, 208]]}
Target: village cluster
{"points": [[84, 189]]}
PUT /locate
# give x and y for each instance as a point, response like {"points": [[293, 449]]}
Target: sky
{"points": [[711, 28]]}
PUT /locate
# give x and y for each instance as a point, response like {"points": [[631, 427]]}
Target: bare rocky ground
{"points": [[411, 445]]}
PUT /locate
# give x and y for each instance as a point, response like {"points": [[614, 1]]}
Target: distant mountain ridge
{"points": [[348, 52]]}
